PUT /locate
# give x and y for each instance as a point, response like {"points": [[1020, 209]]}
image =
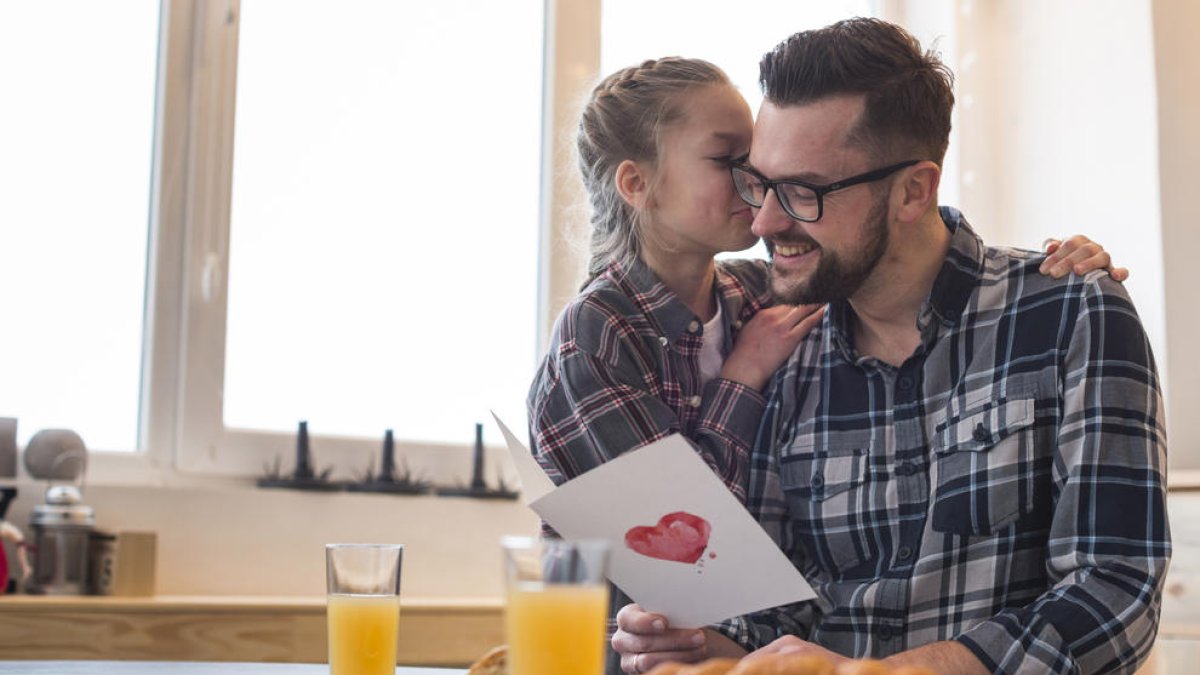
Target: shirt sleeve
{"points": [[765, 501], [1109, 542], [591, 410]]}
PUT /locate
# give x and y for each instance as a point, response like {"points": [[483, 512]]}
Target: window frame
{"points": [[181, 434]]}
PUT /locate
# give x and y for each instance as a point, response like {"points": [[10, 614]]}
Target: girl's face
{"points": [[693, 209]]}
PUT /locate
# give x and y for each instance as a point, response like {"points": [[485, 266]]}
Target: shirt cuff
{"points": [[746, 633], [732, 411], [1019, 641]]}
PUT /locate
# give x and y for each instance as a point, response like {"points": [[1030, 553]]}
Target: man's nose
{"points": [[770, 218]]}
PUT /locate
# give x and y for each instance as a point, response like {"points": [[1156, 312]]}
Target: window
{"points": [[76, 126], [384, 222]]}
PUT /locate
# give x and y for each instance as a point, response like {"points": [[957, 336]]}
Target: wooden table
{"points": [[184, 668], [448, 633]]}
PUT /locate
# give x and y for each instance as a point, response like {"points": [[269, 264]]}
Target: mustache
{"points": [[791, 239]]}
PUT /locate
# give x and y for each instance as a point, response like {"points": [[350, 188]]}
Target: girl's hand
{"points": [[1078, 255], [767, 340]]}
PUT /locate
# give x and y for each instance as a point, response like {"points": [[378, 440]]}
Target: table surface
{"points": [[186, 668]]}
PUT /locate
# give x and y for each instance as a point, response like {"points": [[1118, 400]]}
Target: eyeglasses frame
{"points": [[819, 190]]}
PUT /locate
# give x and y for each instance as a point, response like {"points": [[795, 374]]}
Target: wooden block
{"points": [[134, 573]]}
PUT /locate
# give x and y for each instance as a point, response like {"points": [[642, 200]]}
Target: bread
{"points": [[784, 664], [495, 662]]}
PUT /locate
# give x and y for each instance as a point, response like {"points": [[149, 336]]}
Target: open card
{"points": [[682, 544]]}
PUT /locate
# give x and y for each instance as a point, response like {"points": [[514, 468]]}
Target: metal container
{"points": [[61, 529]]}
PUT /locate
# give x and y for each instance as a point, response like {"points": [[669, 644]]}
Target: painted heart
{"points": [[678, 537]]}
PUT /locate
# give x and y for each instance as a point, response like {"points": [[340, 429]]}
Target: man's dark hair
{"points": [[908, 92]]}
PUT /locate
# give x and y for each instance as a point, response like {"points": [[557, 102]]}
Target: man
{"points": [[966, 458]]}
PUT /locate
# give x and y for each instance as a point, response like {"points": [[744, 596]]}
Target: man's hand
{"points": [[940, 657], [1079, 255], [644, 640], [794, 646]]}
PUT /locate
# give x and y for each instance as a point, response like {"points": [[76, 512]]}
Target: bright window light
{"points": [[77, 80], [384, 227]]}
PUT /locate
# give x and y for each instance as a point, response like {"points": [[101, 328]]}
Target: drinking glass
{"points": [[557, 605], [363, 607]]}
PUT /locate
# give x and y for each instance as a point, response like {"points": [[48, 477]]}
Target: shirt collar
{"points": [[952, 289], [960, 274], [665, 310], [670, 316]]}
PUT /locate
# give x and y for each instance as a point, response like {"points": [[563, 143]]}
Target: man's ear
{"points": [[916, 191], [633, 183]]}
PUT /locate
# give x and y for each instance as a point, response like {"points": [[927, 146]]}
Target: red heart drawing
{"points": [[679, 536]]}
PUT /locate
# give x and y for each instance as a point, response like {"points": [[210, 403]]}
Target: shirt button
{"points": [[884, 633], [905, 382], [904, 553], [694, 401], [817, 481], [981, 433], [737, 324], [693, 326], [663, 341]]}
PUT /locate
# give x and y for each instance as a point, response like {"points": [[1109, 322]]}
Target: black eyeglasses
{"points": [[802, 201]]}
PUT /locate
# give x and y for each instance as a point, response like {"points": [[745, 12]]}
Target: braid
{"points": [[623, 119]]}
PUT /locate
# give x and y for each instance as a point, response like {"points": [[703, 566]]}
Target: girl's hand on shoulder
{"points": [[766, 342], [1078, 255]]}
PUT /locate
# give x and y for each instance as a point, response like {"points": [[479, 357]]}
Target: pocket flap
{"points": [[981, 429], [823, 475]]}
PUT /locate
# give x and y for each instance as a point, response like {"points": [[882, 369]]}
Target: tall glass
{"points": [[557, 604], [363, 610]]}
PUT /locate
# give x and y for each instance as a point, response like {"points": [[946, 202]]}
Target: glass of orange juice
{"points": [[363, 607], [557, 605]]}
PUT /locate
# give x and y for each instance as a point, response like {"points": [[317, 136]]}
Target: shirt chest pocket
{"points": [[824, 487], [988, 468]]}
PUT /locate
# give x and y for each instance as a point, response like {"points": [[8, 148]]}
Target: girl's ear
{"points": [[633, 183]]}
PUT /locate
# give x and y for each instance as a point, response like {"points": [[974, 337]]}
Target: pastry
{"points": [[784, 664], [495, 662]]}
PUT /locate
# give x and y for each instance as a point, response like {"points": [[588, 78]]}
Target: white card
{"points": [[682, 544]]}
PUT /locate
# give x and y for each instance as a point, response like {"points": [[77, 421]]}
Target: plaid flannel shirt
{"points": [[1005, 487], [623, 370]]}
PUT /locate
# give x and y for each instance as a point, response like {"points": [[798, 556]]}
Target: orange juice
{"points": [[362, 634], [556, 629]]}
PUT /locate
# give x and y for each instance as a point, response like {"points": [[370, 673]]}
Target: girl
{"points": [[664, 338]]}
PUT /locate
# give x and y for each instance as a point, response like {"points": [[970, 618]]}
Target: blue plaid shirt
{"points": [[1005, 487]]}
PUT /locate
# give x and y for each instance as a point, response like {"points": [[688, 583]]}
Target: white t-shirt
{"points": [[710, 351]]}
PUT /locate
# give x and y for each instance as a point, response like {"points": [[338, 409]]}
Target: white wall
{"points": [[1177, 53], [240, 540], [1059, 133]]}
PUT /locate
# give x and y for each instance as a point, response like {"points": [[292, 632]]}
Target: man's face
{"points": [[829, 259]]}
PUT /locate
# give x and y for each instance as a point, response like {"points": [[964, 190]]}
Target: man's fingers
{"points": [[644, 662], [669, 641], [632, 618]]}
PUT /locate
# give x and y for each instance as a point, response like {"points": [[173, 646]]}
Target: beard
{"points": [[837, 277]]}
